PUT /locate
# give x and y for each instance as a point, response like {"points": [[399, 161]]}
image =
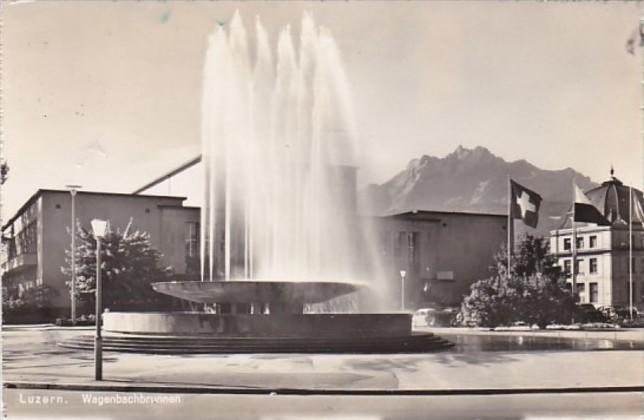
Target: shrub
{"points": [[533, 292], [129, 265]]}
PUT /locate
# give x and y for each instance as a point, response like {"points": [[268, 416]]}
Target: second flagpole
{"points": [[510, 228]]}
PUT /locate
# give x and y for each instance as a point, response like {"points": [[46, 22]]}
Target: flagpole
{"points": [[573, 286], [510, 227], [630, 251]]}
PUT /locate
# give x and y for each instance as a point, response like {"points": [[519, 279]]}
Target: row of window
{"points": [[593, 267], [593, 289], [580, 242], [620, 266], [405, 244], [25, 242]]}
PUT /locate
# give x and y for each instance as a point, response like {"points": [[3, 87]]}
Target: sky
{"points": [[107, 94]]}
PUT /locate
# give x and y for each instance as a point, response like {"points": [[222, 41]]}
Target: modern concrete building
{"points": [[603, 251], [35, 239], [442, 253]]}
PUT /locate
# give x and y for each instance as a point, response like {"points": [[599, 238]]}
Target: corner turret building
{"points": [[602, 262]]}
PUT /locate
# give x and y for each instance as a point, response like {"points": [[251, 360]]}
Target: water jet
{"points": [[279, 220]]}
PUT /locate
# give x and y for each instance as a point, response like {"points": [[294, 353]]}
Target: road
{"points": [[36, 404]]}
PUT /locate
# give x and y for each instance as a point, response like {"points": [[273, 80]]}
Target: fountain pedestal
{"points": [[282, 315], [284, 328]]}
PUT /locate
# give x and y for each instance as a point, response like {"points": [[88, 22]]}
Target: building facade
{"points": [[442, 253], [36, 238], [602, 263]]}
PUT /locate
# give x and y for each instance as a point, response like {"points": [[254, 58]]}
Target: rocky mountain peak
{"points": [[473, 180]]}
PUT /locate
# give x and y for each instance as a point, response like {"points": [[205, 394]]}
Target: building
{"points": [[36, 237], [602, 263], [442, 253]]}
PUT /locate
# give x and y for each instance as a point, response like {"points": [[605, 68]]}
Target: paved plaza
{"points": [[43, 380], [32, 355]]}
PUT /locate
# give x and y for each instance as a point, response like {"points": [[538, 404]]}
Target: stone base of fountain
{"points": [[246, 325], [281, 328], [160, 344]]}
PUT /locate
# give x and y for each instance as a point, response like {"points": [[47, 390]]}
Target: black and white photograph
{"points": [[360, 210]]}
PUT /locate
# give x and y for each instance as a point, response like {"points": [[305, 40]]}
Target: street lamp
{"points": [[99, 227], [72, 190], [403, 273]]}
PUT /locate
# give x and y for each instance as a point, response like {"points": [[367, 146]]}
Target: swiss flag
{"points": [[524, 204]]}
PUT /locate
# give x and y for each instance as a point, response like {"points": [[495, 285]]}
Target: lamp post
{"points": [[98, 227], [403, 273], [72, 191]]}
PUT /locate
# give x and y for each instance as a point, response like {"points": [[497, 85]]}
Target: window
{"points": [[594, 292], [28, 239], [192, 239], [567, 268], [400, 245], [592, 266], [581, 291], [567, 244], [407, 241], [580, 243], [579, 266], [412, 245], [593, 242]]}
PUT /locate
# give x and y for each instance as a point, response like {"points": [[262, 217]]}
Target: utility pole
{"points": [[72, 190]]}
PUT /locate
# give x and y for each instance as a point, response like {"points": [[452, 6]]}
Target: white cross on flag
{"points": [[524, 204]]}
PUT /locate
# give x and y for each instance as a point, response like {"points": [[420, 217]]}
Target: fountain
{"points": [[279, 222]]}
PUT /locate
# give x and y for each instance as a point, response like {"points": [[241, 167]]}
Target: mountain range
{"points": [[474, 180]]}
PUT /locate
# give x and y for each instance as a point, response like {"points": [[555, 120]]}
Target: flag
{"points": [[585, 211], [637, 215], [524, 204]]}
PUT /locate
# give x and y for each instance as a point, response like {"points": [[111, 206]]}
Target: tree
{"points": [[534, 292], [129, 265]]}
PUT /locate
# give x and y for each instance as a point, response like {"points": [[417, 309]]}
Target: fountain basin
{"points": [[252, 291], [283, 329]]}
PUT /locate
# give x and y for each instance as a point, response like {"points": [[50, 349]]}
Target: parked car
{"points": [[617, 313], [587, 312], [434, 317], [422, 317]]}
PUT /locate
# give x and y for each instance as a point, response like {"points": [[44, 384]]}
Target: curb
{"points": [[308, 391]]}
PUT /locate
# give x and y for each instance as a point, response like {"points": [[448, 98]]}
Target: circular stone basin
{"points": [[250, 291]]}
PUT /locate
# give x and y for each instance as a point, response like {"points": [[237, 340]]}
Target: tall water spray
{"points": [[279, 158]]}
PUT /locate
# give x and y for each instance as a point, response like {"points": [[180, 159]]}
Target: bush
{"points": [[531, 291], [37, 297], [129, 264], [501, 301], [30, 306]]}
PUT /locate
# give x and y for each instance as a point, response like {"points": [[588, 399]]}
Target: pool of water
{"points": [[517, 342]]}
